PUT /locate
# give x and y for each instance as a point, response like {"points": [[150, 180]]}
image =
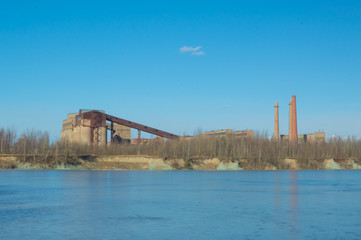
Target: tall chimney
{"points": [[294, 121], [290, 123], [277, 131]]}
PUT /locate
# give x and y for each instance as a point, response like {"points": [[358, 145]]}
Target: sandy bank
{"points": [[138, 162]]}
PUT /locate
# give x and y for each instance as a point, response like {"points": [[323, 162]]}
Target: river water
{"points": [[180, 205]]}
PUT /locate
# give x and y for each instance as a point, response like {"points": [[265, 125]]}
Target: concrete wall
{"points": [[67, 130], [122, 133], [76, 133], [80, 132]]}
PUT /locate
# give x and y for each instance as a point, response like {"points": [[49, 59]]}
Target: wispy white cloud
{"points": [[198, 53], [189, 49]]}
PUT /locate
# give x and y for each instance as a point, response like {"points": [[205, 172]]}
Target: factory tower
{"points": [[293, 135], [277, 128]]}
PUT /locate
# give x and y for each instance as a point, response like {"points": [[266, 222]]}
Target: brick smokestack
{"points": [[290, 123], [277, 130], [293, 120]]}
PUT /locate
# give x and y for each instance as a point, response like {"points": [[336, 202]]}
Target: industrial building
{"points": [[310, 137], [91, 126], [147, 140], [245, 133], [293, 136]]}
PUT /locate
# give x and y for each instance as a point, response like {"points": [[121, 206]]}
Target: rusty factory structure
{"points": [[293, 136], [91, 126]]}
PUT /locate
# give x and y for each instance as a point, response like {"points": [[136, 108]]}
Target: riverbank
{"points": [[138, 162]]}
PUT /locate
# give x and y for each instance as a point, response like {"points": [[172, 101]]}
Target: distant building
{"points": [[76, 129], [311, 137], [219, 132], [147, 140], [246, 133]]}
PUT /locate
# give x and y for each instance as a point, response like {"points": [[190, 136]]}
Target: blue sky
{"points": [[125, 57]]}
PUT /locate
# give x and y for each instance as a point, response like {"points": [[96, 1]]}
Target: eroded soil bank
{"points": [[137, 162]]}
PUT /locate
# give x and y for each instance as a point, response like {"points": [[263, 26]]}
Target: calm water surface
{"points": [[180, 205]]}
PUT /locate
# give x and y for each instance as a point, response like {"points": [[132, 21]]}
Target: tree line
{"points": [[34, 145]]}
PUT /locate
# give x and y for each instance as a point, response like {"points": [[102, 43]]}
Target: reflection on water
{"points": [[293, 203], [180, 205], [277, 204]]}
